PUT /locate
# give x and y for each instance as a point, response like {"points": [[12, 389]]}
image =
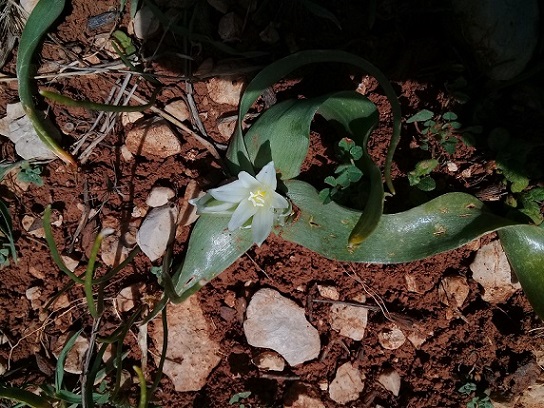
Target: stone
{"points": [[453, 291], [299, 396], [278, 323], [347, 384], [129, 296], [328, 292], [159, 196], [179, 110], [491, 269], [192, 353], [269, 361], [390, 380], [350, 321], [157, 231], [225, 90], [153, 138], [391, 337], [145, 23]]}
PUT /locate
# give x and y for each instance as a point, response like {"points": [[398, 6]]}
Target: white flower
{"points": [[245, 198]]}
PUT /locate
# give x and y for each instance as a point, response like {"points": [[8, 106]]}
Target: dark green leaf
{"points": [[422, 116], [449, 116], [444, 223], [331, 181], [426, 183], [356, 152]]}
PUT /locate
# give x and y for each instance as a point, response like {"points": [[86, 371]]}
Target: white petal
{"points": [[207, 204], [232, 193], [279, 201], [247, 180], [267, 176], [243, 212], [262, 225]]}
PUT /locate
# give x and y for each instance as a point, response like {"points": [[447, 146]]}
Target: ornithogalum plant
{"points": [[242, 213]]}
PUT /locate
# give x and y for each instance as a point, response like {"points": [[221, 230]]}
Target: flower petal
{"points": [[243, 212], [279, 201], [267, 176], [232, 193], [247, 180], [262, 225], [208, 205]]}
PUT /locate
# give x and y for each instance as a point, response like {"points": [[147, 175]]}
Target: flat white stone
{"points": [[153, 138], [225, 90], [192, 354], [491, 269], [390, 380], [269, 361], [157, 231], [19, 129], [347, 384], [159, 196], [349, 321], [278, 323], [391, 337]]}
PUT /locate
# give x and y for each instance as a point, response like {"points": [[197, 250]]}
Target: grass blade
{"points": [[42, 17]]}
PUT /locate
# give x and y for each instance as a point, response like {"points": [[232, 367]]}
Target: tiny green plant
{"points": [[237, 398], [442, 128], [478, 401], [4, 257], [347, 173], [420, 176], [30, 173]]}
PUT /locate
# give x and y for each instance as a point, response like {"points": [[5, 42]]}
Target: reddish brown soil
{"points": [[488, 345]]}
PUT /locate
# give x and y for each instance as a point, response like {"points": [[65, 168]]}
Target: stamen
{"points": [[257, 198]]}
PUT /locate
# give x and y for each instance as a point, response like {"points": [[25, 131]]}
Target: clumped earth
{"points": [[496, 346]]}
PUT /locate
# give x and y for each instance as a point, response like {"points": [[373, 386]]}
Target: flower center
{"points": [[257, 198]]}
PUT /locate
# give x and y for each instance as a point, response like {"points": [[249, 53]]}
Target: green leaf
{"points": [[356, 152], [212, 248], [25, 397], [322, 12], [422, 116], [449, 116], [450, 145], [6, 227], [238, 397], [331, 181], [354, 174], [524, 248], [42, 17], [237, 153], [59, 370], [442, 224], [424, 167], [426, 183]]}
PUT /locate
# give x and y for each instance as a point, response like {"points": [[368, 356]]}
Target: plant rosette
{"points": [[237, 215]]}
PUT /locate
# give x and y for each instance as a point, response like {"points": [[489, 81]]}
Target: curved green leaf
{"points": [[237, 153], [25, 397], [442, 224], [42, 17], [212, 249], [524, 247]]}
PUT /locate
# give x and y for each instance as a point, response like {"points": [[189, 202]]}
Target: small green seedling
{"points": [[441, 127], [420, 176], [531, 202], [238, 397], [479, 401], [4, 257], [30, 173], [347, 173]]}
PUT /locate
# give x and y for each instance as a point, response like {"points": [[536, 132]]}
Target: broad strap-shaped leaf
{"points": [[237, 153], [212, 248], [524, 247], [282, 134], [442, 224], [42, 17]]}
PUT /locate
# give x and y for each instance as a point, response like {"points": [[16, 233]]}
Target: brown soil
{"points": [[489, 345]]}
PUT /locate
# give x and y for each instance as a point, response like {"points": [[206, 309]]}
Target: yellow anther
{"points": [[257, 198]]}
